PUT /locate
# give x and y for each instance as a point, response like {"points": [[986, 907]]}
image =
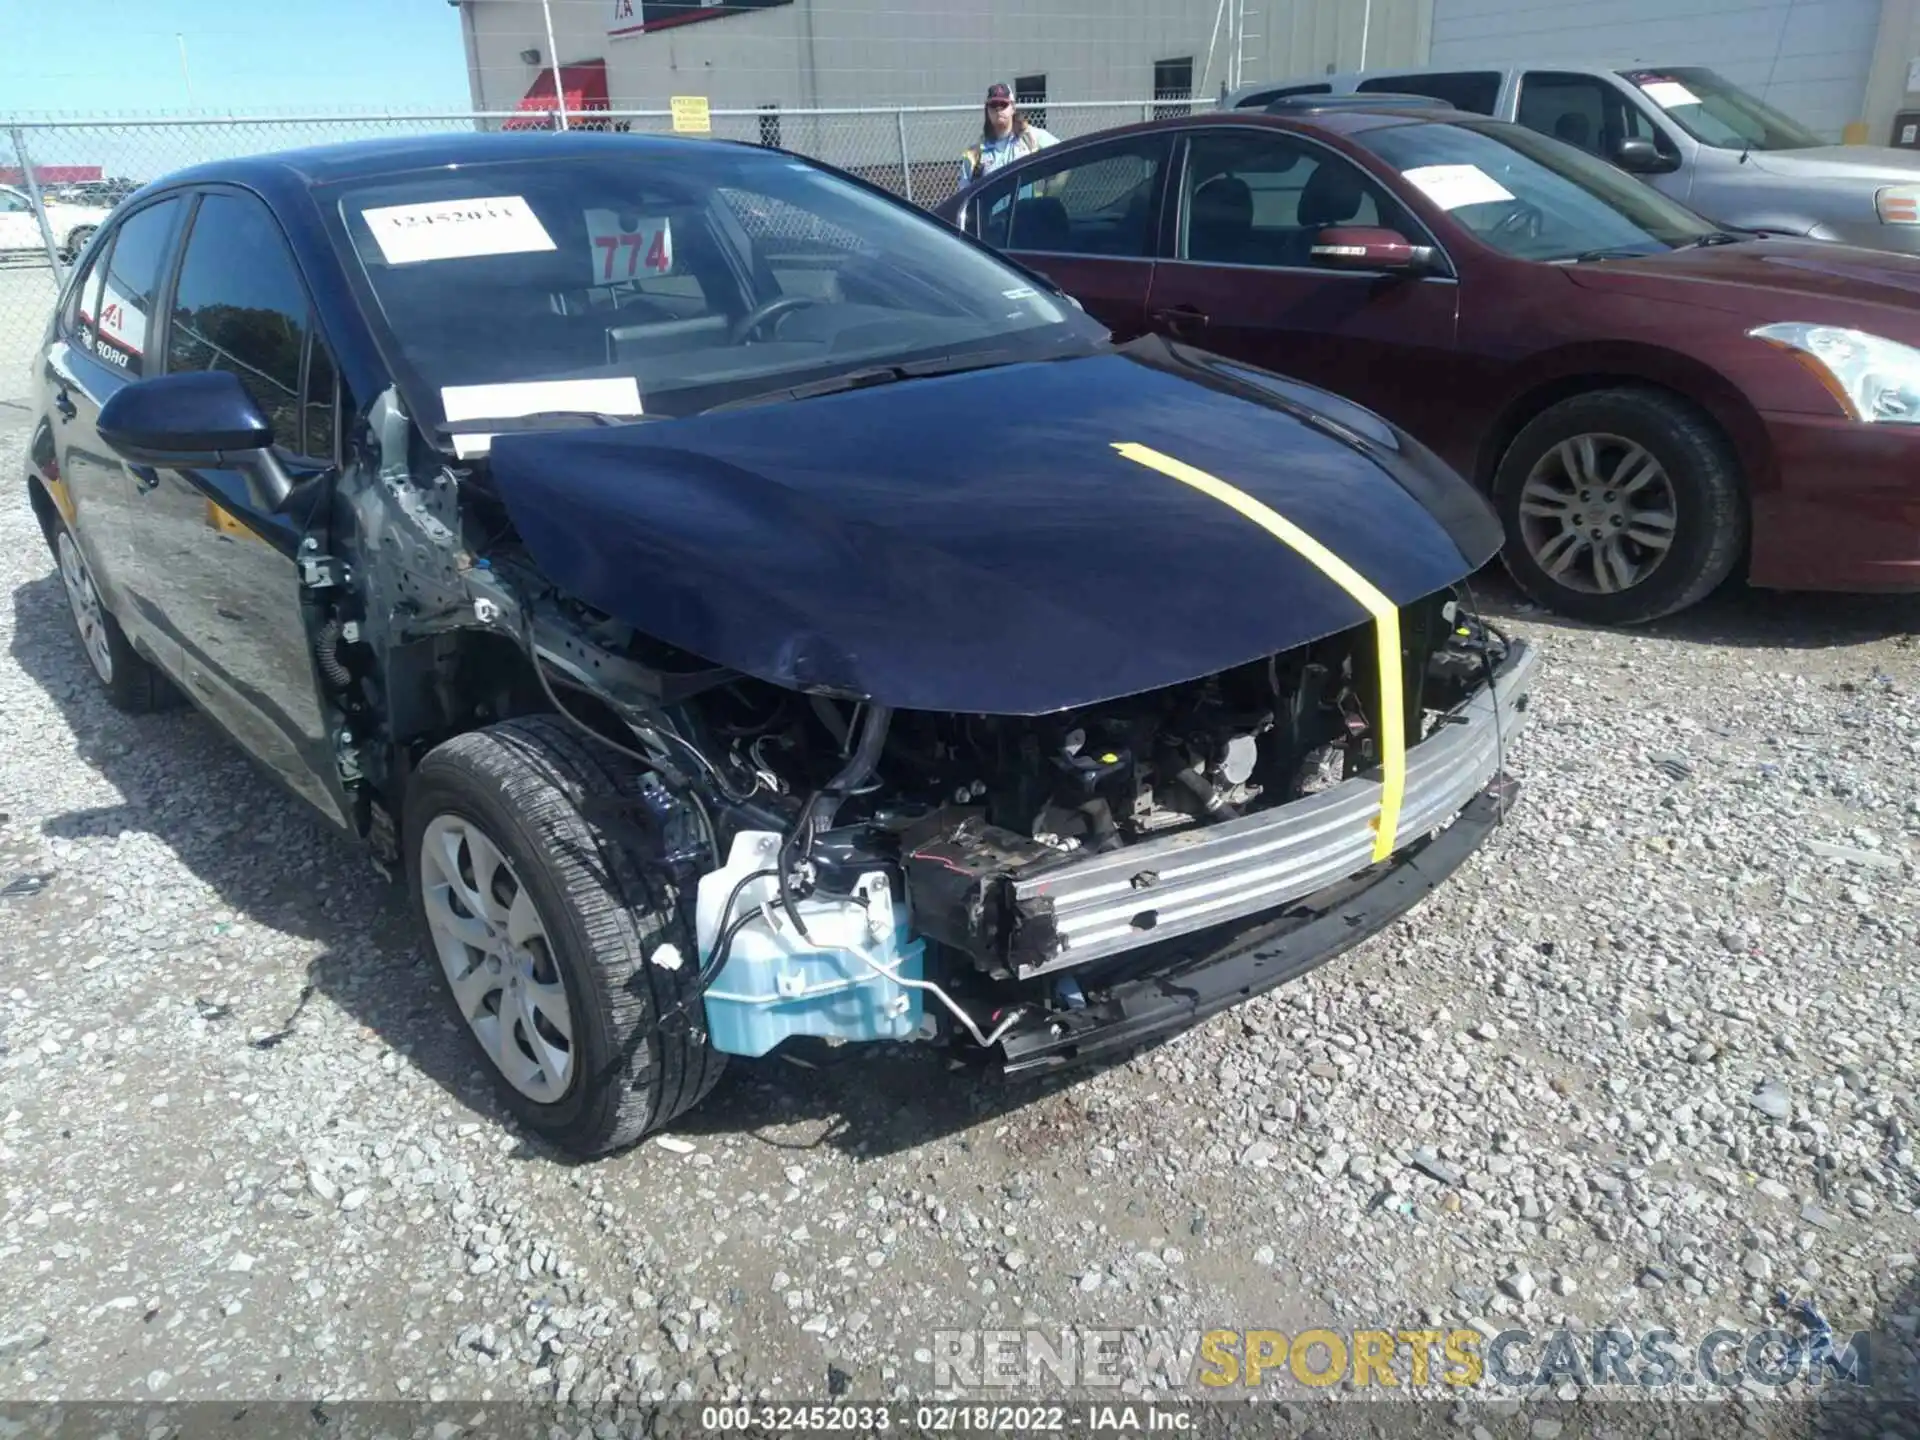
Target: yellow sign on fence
{"points": [[690, 116]]}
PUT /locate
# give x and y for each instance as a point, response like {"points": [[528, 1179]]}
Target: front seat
{"points": [[1221, 225], [1574, 129], [1041, 223], [1332, 195]]}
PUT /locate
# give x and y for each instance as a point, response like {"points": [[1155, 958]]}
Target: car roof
{"points": [[1500, 67], [368, 159]]}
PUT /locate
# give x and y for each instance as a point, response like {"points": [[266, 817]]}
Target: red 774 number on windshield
{"points": [[623, 253]]}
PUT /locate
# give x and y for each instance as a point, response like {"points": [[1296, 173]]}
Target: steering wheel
{"points": [[748, 323], [1521, 222]]}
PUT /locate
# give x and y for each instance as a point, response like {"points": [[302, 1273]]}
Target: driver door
{"points": [[1242, 280], [217, 570]]}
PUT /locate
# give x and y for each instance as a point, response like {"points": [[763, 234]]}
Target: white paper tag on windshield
{"points": [[457, 229], [1453, 186], [609, 395], [1669, 94], [630, 251]]}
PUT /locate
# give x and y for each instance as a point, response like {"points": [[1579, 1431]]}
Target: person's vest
{"points": [[975, 155]]}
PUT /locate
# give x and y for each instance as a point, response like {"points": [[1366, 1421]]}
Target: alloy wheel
{"points": [[88, 614], [1597, 513], [494, 947]]}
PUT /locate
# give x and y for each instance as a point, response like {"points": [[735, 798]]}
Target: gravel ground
{"points": [[1649, 1059]]}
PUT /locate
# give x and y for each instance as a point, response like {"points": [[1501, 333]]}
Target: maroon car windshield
{"points": [[1532, 197]]}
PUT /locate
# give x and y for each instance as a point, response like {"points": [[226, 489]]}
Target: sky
{"points": [[108, 57]]}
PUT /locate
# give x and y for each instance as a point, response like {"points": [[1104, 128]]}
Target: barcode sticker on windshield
{"points": [[456, 229], [1453, 186], [627, 246], [1669, 94]]}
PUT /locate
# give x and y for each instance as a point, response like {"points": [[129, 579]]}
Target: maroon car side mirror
{"points": [[1363, 247]]}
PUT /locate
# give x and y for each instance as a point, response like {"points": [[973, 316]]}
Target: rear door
{"points": [[104, 344], [1242, 280], [218, 570], [1087, 220]]}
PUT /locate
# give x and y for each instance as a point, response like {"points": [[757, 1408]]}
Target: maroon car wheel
{"points": [[1620, 506]]}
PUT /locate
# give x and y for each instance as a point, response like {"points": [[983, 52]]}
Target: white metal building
{"points": [[1842, 66], [827, 54]]}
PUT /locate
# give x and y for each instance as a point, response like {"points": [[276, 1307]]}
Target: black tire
{"points": [[130, 681], [77, 241], [1709, 503], [523, 783]]}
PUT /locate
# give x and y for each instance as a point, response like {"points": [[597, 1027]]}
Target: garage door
{"points": [[1825, 46]]}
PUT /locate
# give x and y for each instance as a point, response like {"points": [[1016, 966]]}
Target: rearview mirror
{"points": [[1362, 247], [1640, 156], [204, 419]]}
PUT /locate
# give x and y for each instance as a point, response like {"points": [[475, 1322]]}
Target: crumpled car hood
{"points": [[975, 543]]}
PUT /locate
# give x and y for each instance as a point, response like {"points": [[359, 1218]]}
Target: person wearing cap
{"points": [[1005, 135]]}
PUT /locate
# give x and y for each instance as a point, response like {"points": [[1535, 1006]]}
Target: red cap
{"points": [[999, 92]]}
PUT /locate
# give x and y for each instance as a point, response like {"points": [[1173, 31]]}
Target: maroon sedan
{"points": [[1649, 400]]}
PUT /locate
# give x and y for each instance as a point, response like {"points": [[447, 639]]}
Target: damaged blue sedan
{"points": [[740, 607]]}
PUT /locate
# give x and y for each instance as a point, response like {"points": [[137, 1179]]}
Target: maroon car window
{"points": [[1089, 202], [1475, 90], [1260, 198], [1531, 197]]}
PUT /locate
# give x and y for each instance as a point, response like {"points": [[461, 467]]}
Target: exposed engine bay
{"points": [[846, 861]]}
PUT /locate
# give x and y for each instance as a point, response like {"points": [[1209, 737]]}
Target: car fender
{"points": [[1578, 368]]}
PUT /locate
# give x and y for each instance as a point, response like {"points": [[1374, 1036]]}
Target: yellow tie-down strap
{"points": [[1386, 623]]}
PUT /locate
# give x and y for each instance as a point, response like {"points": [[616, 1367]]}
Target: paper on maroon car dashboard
{"points": [[1453, 187]]}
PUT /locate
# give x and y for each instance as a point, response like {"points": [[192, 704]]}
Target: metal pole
{"points": [[185, 74], [906, 165], [1366, 24], [39, 205], [553, 61]]}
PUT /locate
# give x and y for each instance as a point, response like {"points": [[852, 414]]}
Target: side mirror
{"points": [[1361, 247], [204, 419], [1640, 156]]}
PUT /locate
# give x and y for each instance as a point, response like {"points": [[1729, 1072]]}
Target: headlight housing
{"points": [[1898, 204], [1875, 380]]}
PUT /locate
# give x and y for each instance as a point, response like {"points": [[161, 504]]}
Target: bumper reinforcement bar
{"points": [[1310, 933], [1108, 904]]}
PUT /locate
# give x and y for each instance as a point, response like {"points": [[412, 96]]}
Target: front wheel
{"points": [[562, 952], [77, 241], [1620, 506]]}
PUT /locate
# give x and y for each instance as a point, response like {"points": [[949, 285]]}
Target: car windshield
{"points": [[665, 280], [1533, 197], [1719, 113]]}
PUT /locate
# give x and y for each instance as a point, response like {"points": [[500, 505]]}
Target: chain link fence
{"points": [[913, 151]]}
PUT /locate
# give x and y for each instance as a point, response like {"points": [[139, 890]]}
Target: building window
{"points": [[770, 126], [1173, 82], [1030, 94]]}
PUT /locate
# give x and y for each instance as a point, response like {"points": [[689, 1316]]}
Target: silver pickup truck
{"points": [[1685, 130]]}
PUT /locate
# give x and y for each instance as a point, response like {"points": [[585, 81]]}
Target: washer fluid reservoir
{"points": [[777, 983]]}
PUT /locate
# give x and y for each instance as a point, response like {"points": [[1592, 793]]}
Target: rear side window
{"points": [[121, 313], [76, 320], [240, 306], [1475, 90], [1089, 203]]}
